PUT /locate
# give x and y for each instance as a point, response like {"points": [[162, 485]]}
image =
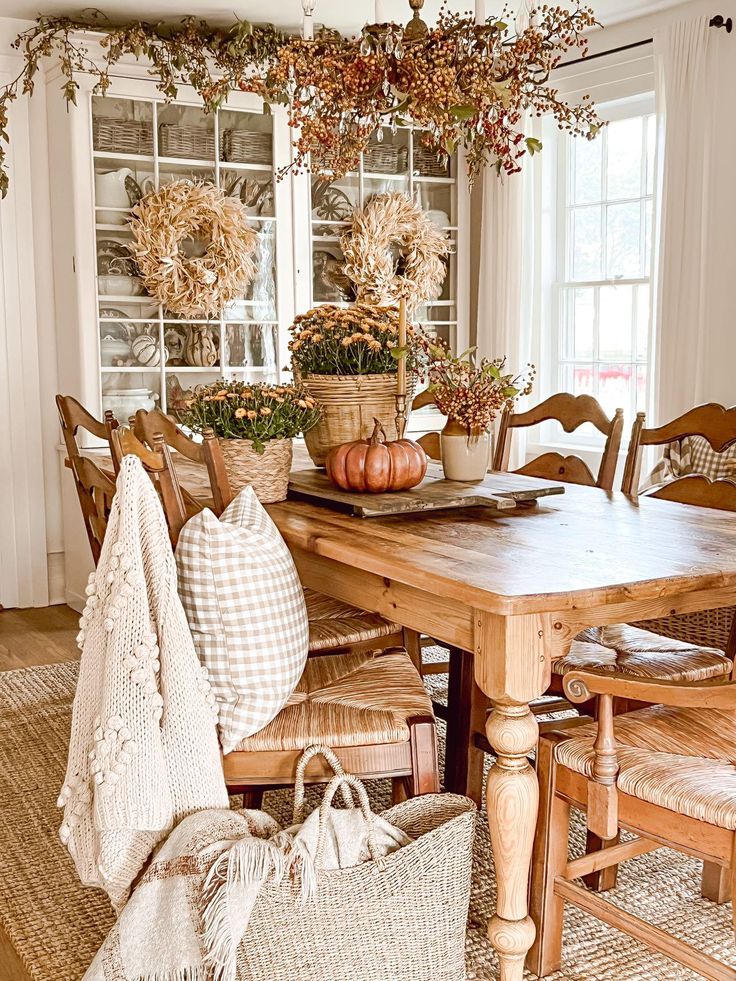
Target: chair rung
{"points": [[604, 857], [551, 705], [651, 936], [435, 667]]}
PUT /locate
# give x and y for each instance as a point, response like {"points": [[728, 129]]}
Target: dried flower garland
{"points": [[394, 251], [468, 84], [198, 286]]}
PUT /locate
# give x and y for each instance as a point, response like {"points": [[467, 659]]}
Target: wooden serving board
{"points": [[499, 492]]}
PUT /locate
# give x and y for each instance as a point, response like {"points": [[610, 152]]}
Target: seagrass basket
{"points": [[267, 472], [122, 135], [403, 919], [192, 142], [350, 403]]}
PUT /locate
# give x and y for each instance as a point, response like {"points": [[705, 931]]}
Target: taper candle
{"points": [[380, 12], [480, 11], [401, 373]]}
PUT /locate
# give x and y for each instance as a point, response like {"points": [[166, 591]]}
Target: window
{"points": [[601, 305]]}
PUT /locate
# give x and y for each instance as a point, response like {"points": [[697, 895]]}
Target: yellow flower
{"points": [[265, 411], [302, 403], [239, 413], [346, 341], [251, 413], [316, 338], [222, 392]]}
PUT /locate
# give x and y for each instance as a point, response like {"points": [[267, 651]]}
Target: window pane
{"points": [[642, 323], [623, 240], [585, 237], [648, 220], [587, 163], [616, 309], [615, 384], [642, 373], [651, 151], [578, 325], [624, 159]]}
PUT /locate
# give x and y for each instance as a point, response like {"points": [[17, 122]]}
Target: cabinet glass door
{"points": [[399, 161], [149, 355]]}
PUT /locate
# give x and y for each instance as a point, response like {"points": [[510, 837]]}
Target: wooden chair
{"points": [[177, 505], [714, 423], [95, 491], [571, 411], [369, 707], [91, 488], [146, 425], [658, 773], [333, 626]]}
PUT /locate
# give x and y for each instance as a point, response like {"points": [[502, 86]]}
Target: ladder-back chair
{"points": [[333, 625], [571, 412], [344, 700], [661, 773], [146, 425], [712, 422], [92, 484]]}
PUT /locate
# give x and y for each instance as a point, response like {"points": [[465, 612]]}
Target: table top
{"points": [[582, 548]]}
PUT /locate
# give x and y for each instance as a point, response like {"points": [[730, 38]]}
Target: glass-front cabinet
{"points": [[123, 350], [148, 354]]}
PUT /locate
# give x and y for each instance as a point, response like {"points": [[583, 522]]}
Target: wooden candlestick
{"points": [[401, 395]]}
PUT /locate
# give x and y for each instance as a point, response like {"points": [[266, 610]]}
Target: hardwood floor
{"points": [[41, 636], [29, 638]]}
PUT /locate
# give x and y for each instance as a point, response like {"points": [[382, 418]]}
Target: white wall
{"points": [[31, 536]]}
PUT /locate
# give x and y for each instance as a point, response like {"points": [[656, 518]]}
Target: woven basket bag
{"points": [[350, 403], [268, 472], [401, 918]]}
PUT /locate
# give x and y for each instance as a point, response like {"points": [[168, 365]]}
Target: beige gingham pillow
{"points": [[246, 611]]}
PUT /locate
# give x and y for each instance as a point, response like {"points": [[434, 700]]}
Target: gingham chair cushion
{"points": [[681, 759], [623, 649], [246, 611]]}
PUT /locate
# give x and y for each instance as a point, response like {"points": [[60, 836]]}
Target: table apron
{"points": [[417, 609]]}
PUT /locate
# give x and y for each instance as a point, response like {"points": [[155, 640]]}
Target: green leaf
{"points": [[533, 145], [463, 112], [510, 392]]}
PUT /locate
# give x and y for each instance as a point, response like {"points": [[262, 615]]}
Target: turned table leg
{"points": [[512, 799]]}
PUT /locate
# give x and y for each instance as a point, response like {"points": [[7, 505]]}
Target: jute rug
{"points": [[56, 925]]}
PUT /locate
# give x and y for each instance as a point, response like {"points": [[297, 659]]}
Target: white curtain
{"points": [[502, 328], [684, 106]]}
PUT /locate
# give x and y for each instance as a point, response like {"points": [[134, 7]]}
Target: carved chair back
{"points": [[146, 425], [713, 422], [95, 489], [178, 505], [571, 412]]}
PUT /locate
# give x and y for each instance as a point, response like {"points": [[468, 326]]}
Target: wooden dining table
{"points": [[514, 588]]}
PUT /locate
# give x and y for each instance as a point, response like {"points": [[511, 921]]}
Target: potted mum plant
{"points": [[254, 425], [347, 359], [471, 394]]}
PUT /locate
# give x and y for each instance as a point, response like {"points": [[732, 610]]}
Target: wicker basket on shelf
{"points": [[113, 135], [350, 403], [267, 472], [384, 158], [426, 163], [240, 146], [192, 142]]}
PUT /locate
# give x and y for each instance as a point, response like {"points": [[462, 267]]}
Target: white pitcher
{"points": [[110, 191]]}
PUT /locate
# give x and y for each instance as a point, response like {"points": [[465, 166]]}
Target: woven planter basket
{"points": [[267, 472], [349, 405], [405, 921]]}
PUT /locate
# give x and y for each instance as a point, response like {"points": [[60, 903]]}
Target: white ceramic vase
{"points": [[465, 456]]}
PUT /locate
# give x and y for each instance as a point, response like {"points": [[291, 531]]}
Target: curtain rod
{"points": [[717, 21]]}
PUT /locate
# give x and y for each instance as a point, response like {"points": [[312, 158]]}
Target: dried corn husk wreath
{"points": [[388, 224], [193, 287]]}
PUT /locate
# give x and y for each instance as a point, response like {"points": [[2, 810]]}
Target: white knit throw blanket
{"points": [[143, 751]]}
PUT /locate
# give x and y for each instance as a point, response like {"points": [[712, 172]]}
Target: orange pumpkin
{"points": [[377, 465]]}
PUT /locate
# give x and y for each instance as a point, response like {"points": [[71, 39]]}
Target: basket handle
{"points": [[309, 752], [343, 781]]}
